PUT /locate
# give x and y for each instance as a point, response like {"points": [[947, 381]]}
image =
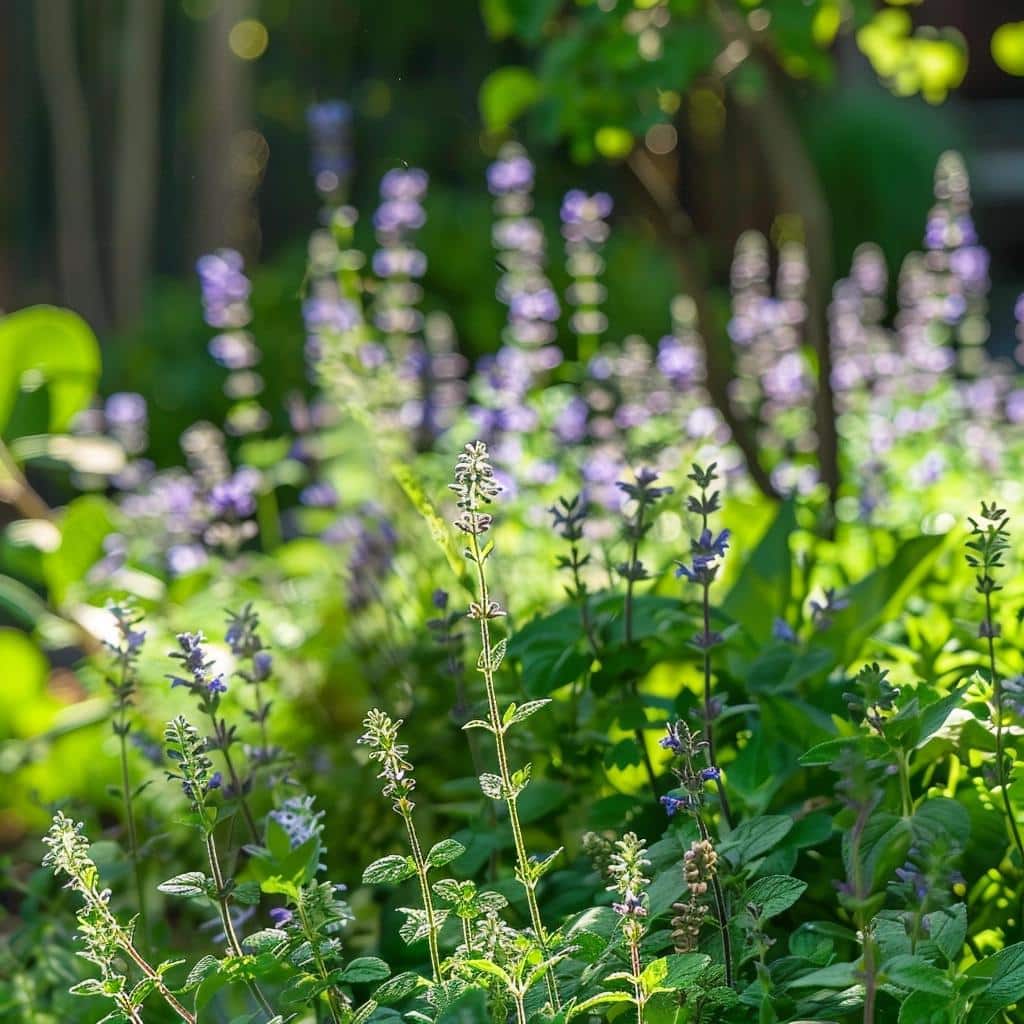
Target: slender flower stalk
{"points": [[644, 495], [702, 569], [476, 488], [123, 683], [208, 686], [101, 931], [186, 748], [627, 869], [985, 549], [687, 746], [381, 736]]}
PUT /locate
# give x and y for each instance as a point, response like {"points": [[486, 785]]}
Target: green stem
{"points": [[129, 816], [318, 959], [525, 870], [236, 782], [720, 909], [229, 926], [638, 992], [638, 733], [997, 683], [905, 794], [428, 903]]}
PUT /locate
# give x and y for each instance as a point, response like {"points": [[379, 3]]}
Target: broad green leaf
{"points": [[365, 968], [389, 870], [775, 894], [917, 975], [44, 345], [762, 589], [190, 883], [83, 525], [444, 852], [947, 928]]}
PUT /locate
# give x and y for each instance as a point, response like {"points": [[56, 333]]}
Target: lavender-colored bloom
{"points": [[513, 173], [330, 127], [571, 423], [281, 916], [783, 632], [234, 498], [674, 804], [329, 313], [125, 409], [234, 350], [225, 288], [671, 740], [185, 558], [216, 781], [539, 304], [632, 905], [404, 185], [710, 774], [319, 495]]}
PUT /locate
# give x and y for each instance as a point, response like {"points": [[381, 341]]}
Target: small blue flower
{"points": [[711, 773], [672, 804], [671, 740], [216, 780], [262, 665], [217, 685], [281, 916], [783, 632]]}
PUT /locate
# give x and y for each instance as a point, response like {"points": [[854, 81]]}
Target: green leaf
{"points": [[486, 967], [365, 968], [917, 975], [201, 970], [947, 928], [517, 713], [762, 589], [265, 939], [833, 976], [1005, 970], [444, 852], [506, 94], [832, 750], [876, 598], [398, 988], [924, 1008], [599, 1000], [389, 870], [775, 894], [247, 893], [190, 883], [50, 346], [84, 524], [755, 837], [88, 987], [491, 786]]}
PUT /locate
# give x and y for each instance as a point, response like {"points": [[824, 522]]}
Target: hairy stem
{"points": [[721, 913], [638, 732], [997, 684], [428, 903], [525, 870], [236, 783], [225, 916]]}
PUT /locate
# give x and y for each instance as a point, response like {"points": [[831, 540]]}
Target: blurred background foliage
{"points": [[133, 137]]}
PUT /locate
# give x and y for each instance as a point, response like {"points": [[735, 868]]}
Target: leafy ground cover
{"points": [[560, 687]]}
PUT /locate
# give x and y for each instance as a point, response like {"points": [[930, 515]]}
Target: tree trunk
{"points": [[798, 190], [77, 248], [136, 176], [674, 228], [223, 210]]}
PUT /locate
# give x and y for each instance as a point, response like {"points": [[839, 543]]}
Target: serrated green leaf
{"points": [[190, 883], [365, 968], [389, 870], [775, 894], [444, 852]]}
